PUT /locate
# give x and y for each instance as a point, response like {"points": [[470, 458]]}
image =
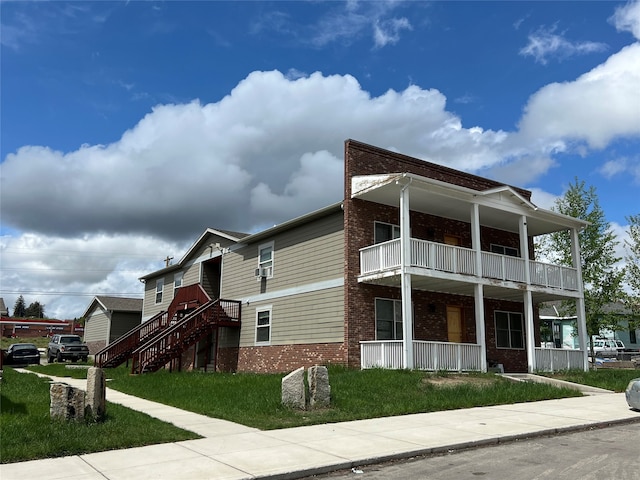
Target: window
{"points": [[384, 232], [159, 287], [509, 332], [263, 326], [388, 319], [265, 260], [502, 250], [632, 336], [177, 281]]}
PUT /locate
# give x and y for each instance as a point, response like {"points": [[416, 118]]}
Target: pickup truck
{"points": [[62, 347]]}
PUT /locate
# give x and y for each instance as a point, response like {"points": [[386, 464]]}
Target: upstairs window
{"points": [[177, 281], [383, 232], [159, 287], [509, 331], [503, 250], [265, 260]]}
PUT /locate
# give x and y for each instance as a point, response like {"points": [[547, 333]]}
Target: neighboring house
{"points": [[4, 311], [420, 266], [108, 318], [561, 330]]}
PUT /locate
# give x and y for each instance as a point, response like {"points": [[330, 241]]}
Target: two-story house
{"points": [[419, 266]]}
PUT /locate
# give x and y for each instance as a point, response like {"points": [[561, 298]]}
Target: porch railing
{"points": [[452, 259], [557, 359], [427, 355]]}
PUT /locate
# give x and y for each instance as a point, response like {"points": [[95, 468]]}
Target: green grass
{"points": [[29, 433], [39, 342], [61, 370], [254, 399], [609, 379]]}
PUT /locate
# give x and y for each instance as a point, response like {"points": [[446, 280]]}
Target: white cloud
{"points": [[387, 32], [596, 108], [545, 43], [627, 18]]}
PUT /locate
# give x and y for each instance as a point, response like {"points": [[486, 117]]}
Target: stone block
{"points": [[293, 391], [67, 402], [319, 388], [96, 393]]}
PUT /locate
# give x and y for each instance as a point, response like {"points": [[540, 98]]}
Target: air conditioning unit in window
{"points": [[261, 273]]}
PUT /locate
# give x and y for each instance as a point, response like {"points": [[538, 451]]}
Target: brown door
{"points": [[454, 324], [451, 240]]}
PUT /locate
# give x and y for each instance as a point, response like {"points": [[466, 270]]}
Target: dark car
{"points": [[22, 354]]}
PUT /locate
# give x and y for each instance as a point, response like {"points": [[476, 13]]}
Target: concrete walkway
{"points": [[232, 451]]}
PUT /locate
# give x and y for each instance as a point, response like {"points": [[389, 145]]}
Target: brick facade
{"points": [[286, 358], [429, 308]]}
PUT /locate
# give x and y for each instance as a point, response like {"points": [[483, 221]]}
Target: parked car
{"points": [[607, 347], [62, 347], [633, 393], [22, 354]]}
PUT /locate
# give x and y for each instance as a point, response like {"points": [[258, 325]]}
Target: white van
{"points": [[607, 347]]}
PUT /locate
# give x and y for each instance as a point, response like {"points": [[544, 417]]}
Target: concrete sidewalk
{"points": [[232, 451]]}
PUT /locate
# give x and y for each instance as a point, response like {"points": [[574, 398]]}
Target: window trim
{"points": [[522, 332], [177, 275], [160, 291], [393, 226], [269, 326], [261, 263], [395, 301]]}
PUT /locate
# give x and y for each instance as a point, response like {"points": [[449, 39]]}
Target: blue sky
{"points": [[127, 128]]}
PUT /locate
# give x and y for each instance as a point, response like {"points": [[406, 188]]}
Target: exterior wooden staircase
{"points": [[171, 343], [186, 300]]}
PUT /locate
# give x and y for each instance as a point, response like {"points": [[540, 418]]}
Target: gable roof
{"points": [[115, 304]]}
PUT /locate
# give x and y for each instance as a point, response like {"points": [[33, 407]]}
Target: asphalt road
{"points": [[602, 454]]}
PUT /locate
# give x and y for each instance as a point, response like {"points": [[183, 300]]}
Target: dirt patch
{"points": [[455, 380]]}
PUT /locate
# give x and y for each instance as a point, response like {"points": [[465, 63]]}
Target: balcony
{"points": [[449, 259]]}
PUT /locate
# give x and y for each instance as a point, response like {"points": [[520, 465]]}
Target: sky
{"points": [[128, 128]]}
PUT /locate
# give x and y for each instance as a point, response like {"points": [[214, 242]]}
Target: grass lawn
{"points": [[607, 378], [254, 400], [29, 433]]}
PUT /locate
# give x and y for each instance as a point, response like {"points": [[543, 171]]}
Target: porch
{"points": [[457, 357], [446, 260]]}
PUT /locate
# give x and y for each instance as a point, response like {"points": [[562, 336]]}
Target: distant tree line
{"points": [[34, 310]]}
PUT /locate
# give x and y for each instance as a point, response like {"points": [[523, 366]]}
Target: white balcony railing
{"points": [[557, 359], [458, 260], [431, 356]]}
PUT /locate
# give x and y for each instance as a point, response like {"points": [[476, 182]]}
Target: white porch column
{"points": [[475, 238], [528, 299], [531, 341], [481, 338], [581, 316], [405, 279]]}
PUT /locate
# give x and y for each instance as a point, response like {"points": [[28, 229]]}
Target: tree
{"points": [[632, 257], [601, 278], [19, 307], [35, 310]]}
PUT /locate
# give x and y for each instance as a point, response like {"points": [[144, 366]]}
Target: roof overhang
{"points": [[500, 207]]}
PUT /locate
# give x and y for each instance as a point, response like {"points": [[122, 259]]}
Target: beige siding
{"points": [[96, 327], [315, 317], [191, 275], [150, 307], [305, 255]]}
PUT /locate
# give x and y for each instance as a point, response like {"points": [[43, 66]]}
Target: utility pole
{"points": [[167, 260]]}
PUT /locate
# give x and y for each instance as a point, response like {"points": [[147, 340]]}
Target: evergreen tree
{"points": [[19, 307], [35, 310], [602, 280]]}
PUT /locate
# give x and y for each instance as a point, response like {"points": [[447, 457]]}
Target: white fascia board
{"points": [[361, 184]]}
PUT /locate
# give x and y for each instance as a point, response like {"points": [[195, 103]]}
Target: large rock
{"points": [[96, 393], [293, 391], [67, 402], [319, 388]]}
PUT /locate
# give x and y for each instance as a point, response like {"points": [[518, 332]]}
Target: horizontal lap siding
{"points": [[96, 327], [316, 317]]}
